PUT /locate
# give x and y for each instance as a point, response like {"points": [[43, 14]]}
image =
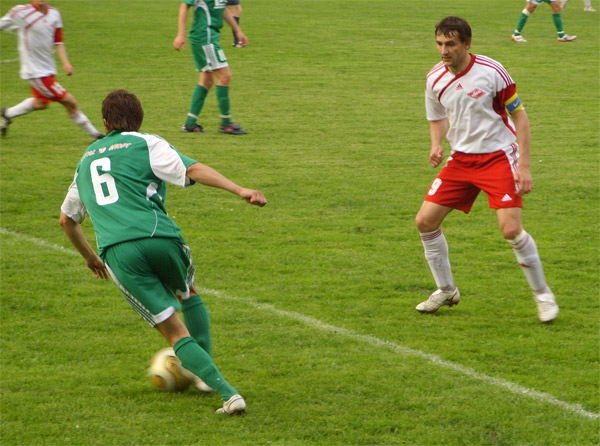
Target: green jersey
{"points": [[208, 19], [121, 183]]}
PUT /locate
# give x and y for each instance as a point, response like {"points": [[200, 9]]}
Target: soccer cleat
{"points": [[98, 137], [237, 45], [201, 385], [4, 121], [546, 306], [518, 38], [196, 128], [233, 406], [589, 9], [566, 38], [232, 129], [438, 299]]}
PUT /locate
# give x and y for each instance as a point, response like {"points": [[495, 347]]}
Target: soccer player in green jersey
{"points": [[209, 58], [562, 36], [120, 182]]}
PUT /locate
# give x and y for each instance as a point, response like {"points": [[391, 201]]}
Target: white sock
{"points": [[528, 257], [82, 121], [436, 254], [588, 3], [20, 109]]}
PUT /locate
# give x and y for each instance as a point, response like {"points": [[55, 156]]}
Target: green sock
{"points": [[197, 321], [558, 24], [223, 100], [197, 103], [196, 360], [521, 23]]}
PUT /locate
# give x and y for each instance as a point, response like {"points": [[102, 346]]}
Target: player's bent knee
{"points": [[425, 225], [511, 231]]}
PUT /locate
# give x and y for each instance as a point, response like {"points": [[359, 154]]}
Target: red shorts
{"points": [[46, 89], [465, 175]]}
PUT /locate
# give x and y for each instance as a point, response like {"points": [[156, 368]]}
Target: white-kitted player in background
{"points": [[587, 5], [40, 32]]}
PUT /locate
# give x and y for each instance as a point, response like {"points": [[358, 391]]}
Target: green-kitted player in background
{"points": [[209, 58], [562, 36], [121, 182]]}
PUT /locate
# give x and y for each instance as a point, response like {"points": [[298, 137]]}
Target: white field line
{"points": [[9, 60], [371, 340]]}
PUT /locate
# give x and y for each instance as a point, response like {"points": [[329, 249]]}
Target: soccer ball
{"points": [[167, 373]]}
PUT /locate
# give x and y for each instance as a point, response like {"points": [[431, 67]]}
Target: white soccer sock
{"points": [[82, 121], [588, 3], [20, 109], [529, 259], [436, 254]]}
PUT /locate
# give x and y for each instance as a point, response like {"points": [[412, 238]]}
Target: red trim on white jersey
{"points": [[458, 76]]}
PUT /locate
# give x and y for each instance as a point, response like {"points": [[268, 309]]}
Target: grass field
{"points": [[312, 297]]}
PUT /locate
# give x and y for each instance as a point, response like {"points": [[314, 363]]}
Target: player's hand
{"points": [[179, 43], [254, 197], [523, 180], [68, 69], [436, 156], [242, 39], [96, 265]]}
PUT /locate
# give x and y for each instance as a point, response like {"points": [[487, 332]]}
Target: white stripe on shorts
{"points": [[138, 307], [39, 86], [212, 61]]}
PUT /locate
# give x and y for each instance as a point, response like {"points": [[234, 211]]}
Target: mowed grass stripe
{"points": [[517, 389]]}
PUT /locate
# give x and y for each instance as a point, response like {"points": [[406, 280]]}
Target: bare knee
{"points": [[39, 105], [70, 104], [173, 329], [510, 230], [425, 224], [225, 78]]}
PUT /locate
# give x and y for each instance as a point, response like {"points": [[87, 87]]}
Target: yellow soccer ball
{"points": [[167, 373]]}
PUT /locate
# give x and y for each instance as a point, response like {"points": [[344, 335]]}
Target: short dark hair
{"points": [[122, 111], [451, 25]]}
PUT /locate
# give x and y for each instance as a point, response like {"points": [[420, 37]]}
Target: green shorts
{"points": [[152, 273], [209, 56]]}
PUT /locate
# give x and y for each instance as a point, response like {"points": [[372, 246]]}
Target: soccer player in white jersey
{"points": [[40, 32], [121, 182], [587, 5], [467, 98]]}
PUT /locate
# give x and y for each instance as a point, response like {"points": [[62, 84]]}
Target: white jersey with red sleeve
{"points": [[474, 102], [38, 33]]}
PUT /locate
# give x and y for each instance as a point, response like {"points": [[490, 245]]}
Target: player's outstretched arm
{"points": [[77, 238], [208, 176]]}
